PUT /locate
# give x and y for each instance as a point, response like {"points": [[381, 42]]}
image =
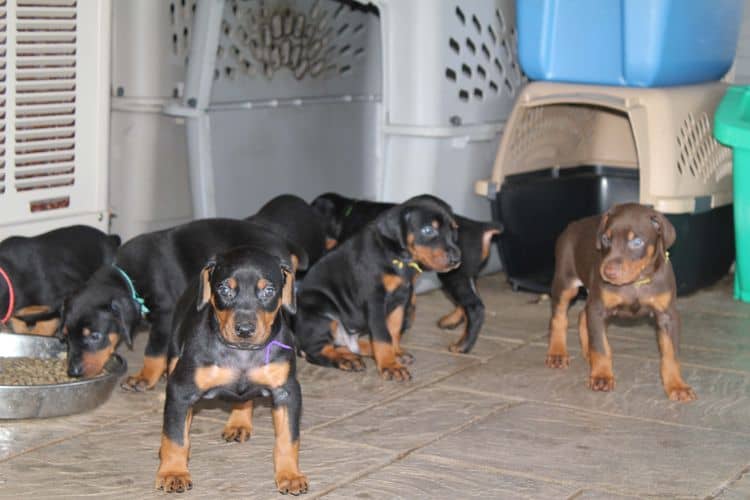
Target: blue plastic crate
{"points": [[640, 43]]}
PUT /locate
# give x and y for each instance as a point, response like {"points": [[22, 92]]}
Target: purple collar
{"points": [[270, 344]]}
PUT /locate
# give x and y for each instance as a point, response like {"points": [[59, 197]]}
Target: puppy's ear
{"points": [[114, 240], [324, 206], [392, 225], [288, 295], [330, 217], [204, 284], [128, 315], [664, 228], [602, 227]]}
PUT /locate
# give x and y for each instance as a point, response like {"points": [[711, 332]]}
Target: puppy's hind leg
{"points": [[316, 336]]}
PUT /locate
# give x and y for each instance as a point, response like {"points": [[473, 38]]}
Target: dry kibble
{"points": [[34, 371]]}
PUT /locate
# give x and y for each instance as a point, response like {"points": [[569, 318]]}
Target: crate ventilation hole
{"points": [[45, 97], [700, 155], [262, 38], [487, 55], [547, 130], [181, 13]]}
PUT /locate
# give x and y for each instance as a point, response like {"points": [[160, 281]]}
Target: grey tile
{"points": [[330, 394], [18, 436], [737, 490], [701, 330], [425, 334], [427, 477], [608, 495], [508, 315], [598, 451], [413, 419], [723, 397], [121, 462], [714, 359], [718, 300]]}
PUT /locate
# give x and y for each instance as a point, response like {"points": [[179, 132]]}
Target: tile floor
{"points": [[493, 424]]}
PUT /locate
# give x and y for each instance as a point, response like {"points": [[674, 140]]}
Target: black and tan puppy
{"points": [[36, 273], [230, 341], [344, 217], [364, 287], [621, 259], [149, 274], [297, 221]]}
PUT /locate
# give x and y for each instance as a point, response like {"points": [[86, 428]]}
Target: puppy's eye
{"points": [[267, 292], [605, 240], [96, 336], [635, 243], [226, 291], [428, 231]]}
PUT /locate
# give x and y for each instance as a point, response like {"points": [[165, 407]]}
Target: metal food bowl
{"points": [[52, 400]]}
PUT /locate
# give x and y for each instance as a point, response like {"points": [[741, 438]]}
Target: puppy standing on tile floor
{"points": [[230, 341], [364, 287], [621, 259], [344, 217]]}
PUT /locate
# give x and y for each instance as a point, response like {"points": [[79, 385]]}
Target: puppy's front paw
{"points": [[557, 360], [174, 481], [683, 393], [458, 347], [239, 433], [604, 383], [351, 363], [291, 483], [405, 358], [139, 383], [397, 372]]}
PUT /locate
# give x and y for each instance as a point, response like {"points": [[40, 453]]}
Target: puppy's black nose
{"points": [[245, 330], [75, 370]]}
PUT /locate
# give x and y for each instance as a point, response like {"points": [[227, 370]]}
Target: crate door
{"points": [[54, 108]]}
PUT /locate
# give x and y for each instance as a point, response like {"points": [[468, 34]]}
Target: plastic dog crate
{"points": [[381, 100], [570, 151], [640, 43]]}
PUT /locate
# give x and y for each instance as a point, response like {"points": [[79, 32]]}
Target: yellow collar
{"points": [[646, 281], [400, 264]]}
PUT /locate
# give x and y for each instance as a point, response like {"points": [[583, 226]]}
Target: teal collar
{"points": [[137, 298]]}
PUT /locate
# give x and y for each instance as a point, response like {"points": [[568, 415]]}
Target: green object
{"points": [[732, 128]]}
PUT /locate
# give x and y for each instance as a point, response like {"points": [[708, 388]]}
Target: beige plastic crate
{"points": [[663, 132]]}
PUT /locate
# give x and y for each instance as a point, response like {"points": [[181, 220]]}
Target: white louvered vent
{"points": [[3, 87], [45, 92], [54, 114]]}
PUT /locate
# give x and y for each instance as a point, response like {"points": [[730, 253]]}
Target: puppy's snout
{"points": [[75, 370], [245, 329], [611, 270]]}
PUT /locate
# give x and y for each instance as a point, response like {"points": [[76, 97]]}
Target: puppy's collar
{"points": [[401, 264], [646, 281], [144, 310], [11, 296], [273, 343]]}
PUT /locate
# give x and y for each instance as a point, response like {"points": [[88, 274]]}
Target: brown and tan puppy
{"points": [[621, 259]]}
